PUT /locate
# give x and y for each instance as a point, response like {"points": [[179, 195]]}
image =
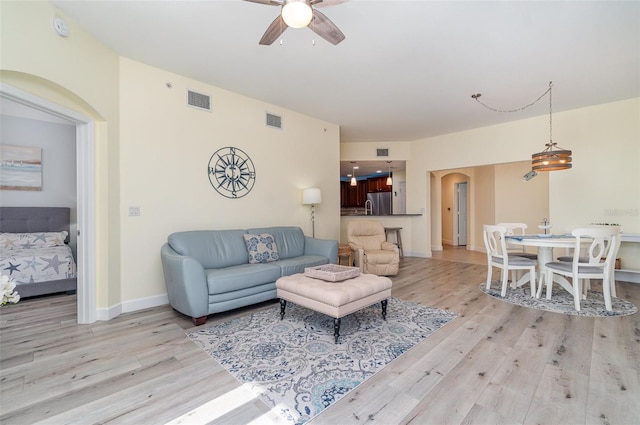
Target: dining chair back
{"points": [[498, 256], [517, 229], [602, 243]]}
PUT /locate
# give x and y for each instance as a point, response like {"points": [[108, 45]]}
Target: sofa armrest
{"points": [[186, 283], [388, 246], [358, 255], [325, 247]]}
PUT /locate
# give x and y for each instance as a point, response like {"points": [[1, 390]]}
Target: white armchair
{"points": [[371, 251]]}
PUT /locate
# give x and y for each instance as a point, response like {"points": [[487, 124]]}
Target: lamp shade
{"points": [[311, 196], [297, 13], [551, 160]]}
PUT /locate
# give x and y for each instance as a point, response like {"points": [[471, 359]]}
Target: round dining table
{"points": [[545, 245]]}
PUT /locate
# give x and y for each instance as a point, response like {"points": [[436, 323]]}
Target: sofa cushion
{"points": [[211, 248], [262, 248], [290, 240], [291, 266], [240, 277]]}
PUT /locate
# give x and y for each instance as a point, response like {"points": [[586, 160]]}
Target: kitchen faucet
{"points": [[369, 208]]}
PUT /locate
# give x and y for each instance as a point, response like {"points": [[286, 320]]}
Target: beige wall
{"points": [[484, 193], [447, 207], [166, 147], [136, 159], [602, 186], [80, 74], [152, 151], [520, 201]]}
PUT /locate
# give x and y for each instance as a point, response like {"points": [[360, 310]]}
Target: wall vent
{"points": [[274, 121], [199, 100], [382, 152]]}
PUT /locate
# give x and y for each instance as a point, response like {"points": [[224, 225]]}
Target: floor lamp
{"points": [[312, 197]]}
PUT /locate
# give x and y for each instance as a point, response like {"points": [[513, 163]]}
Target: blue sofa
{"points": [[208, 271]]}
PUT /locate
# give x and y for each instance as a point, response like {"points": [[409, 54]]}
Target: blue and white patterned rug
{"points": [[562, 302], [294, 363]]}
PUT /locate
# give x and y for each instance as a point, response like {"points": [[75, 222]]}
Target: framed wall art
{"points": [[20, 168]]}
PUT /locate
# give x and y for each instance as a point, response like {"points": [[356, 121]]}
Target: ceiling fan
{"points": [[299, 14]]}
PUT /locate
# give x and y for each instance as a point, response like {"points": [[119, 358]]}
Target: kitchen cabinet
{"points": [[353, 196], [378, 184]]}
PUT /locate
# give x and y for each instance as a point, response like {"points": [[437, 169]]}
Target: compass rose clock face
{"points": [[231, 172]]}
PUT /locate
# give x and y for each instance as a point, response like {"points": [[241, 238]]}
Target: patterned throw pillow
{"points": [[262, 248], [32, 240]]}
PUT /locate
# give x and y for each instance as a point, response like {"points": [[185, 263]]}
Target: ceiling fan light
{"points": [[297, 14]]}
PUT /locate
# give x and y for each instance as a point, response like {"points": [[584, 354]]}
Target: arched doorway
{"points": [[85, 172]]}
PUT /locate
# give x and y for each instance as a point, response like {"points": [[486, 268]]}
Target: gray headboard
{"points": [[34, 219]]}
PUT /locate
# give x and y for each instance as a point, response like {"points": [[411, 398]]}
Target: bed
{"points": [[34, 250]]}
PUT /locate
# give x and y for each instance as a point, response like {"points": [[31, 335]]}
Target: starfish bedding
{"points": [[36, 257], [36, 250]]}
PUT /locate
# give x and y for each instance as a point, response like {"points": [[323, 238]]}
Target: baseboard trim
{"points": [[131, 306], [419, 254], [627, 276]]}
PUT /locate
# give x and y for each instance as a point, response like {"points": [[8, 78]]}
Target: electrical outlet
{"points": [[134, 211]]}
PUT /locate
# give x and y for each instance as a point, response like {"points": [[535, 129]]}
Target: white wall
{"points": [[58, 144]]}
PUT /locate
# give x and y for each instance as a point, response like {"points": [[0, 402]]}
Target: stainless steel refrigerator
{"points": [[380, 203]]}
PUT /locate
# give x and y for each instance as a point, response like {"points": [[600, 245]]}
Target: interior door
{"points": [[461, 213]]}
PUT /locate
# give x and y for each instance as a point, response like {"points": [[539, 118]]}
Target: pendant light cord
{"points": [[477, 98]]}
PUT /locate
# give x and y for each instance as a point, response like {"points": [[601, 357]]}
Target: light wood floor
{"points": [[495, 364]]}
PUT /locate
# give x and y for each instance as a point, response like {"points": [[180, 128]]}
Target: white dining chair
{"points": [[498, 256], [515, 229], [604, 243]]}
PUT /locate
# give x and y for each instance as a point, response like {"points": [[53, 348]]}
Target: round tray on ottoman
{"points": [[332, 272]]}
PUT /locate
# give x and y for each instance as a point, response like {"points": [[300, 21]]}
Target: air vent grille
{"points": [[382, 152], [274, 121], [199, 100]]}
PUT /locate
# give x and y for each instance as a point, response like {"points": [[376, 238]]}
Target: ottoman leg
{"points": [[283, 305], [384, 309], [336, 329]]}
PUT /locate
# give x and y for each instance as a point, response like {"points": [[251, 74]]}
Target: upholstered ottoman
{"points": [[335, 299]]}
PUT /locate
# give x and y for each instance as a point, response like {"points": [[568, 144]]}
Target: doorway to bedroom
{"points": [[67, 142]]}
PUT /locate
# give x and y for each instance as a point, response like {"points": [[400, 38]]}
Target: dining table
{"points": [[545, 243]]}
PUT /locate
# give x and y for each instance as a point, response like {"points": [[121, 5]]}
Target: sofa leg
{"points": [[384, 308], [199, 320], [283, 305]]}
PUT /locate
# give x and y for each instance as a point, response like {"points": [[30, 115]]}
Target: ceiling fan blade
{"points": [[326, 29], [269, 2], [274, 31]]}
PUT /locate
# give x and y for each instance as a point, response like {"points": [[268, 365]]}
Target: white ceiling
{"points": [[406, 70]]}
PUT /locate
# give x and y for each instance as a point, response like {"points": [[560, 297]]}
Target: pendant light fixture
{"points": [[353, 177], [389, 179], [550, 159], [553, 157]]}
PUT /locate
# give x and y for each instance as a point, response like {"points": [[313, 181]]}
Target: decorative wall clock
{"points": [[231, 172]]}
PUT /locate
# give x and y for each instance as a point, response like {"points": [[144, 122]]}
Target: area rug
{"points": [[562, 302], [295, 367]]}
